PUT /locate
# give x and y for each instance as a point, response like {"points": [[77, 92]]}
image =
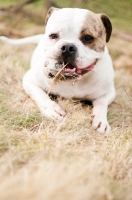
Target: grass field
{"points": [[45, 160]]}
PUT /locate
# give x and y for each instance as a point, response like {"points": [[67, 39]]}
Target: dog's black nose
{"points": [[69, 53], [68, 49]]}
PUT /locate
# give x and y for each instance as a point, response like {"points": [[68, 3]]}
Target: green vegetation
{"points": [[119, 11]]}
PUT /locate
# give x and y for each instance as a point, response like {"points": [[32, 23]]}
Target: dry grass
{"points": [[45, 160]]}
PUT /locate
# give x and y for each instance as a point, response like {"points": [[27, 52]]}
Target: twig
{"points": [[54, 79], [127, 94]]}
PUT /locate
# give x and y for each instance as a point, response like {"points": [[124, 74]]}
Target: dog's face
{"points": [[74, 41]]}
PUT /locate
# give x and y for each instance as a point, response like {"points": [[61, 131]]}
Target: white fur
{"points": [[33, 39], [96, 85]]}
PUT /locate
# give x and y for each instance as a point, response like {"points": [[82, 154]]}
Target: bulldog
{"points": [[72, 61]]}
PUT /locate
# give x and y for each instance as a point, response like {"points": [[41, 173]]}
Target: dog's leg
{"points": [[47, 107], [99, 115]]}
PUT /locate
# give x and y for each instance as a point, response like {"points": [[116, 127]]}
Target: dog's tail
{"points": [[28, 40]]}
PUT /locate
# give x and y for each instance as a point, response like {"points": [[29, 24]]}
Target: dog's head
{"points": [[74, 41]]}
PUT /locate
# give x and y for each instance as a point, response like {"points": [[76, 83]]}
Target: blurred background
{"points": [[14, 13], [26, 17]]}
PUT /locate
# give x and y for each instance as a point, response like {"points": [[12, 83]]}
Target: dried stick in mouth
{"points": [[58, 73], [56, 78]]}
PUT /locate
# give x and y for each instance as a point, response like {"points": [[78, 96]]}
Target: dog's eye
{"points": [[53, 36], [87, 39]]}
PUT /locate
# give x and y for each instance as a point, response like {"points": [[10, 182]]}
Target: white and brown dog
{"points": [[72, 53]]}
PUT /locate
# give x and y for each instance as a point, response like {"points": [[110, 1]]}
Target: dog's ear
{"points": [[107, 24], [50, 11]]}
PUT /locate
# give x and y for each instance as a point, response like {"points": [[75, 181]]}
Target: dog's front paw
{"points": [[53, 111], [100, 124]]}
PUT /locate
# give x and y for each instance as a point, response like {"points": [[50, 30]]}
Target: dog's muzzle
{"points": [[66, 68]]}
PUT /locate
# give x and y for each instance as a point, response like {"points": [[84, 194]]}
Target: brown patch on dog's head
{"points": [[50, 11], [97, 27]]}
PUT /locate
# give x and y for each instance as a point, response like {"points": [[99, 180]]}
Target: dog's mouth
{"points": [[69, 68], [71, 72]]}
